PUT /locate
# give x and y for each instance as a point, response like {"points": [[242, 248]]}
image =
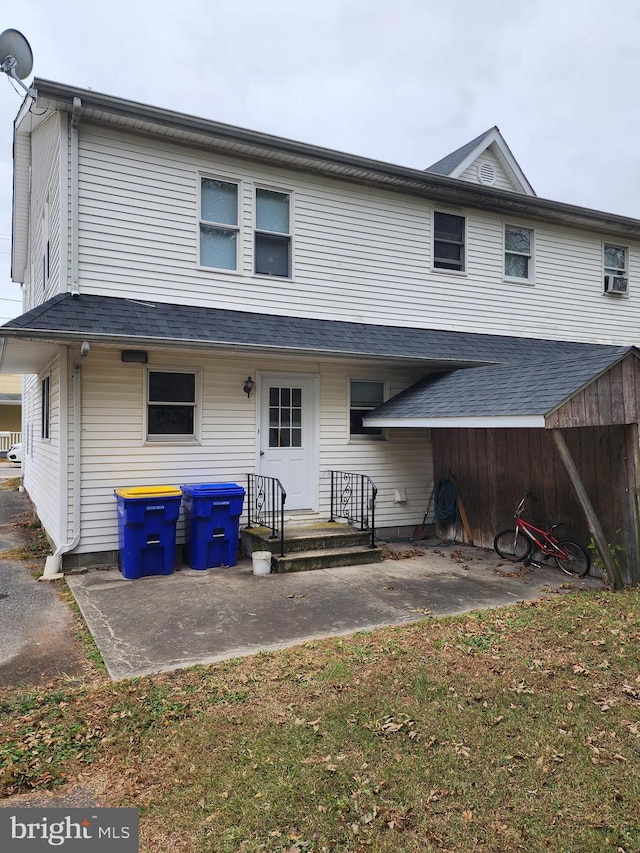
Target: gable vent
{"points": [[486, 174]]}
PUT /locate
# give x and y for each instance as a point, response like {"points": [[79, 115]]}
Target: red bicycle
{"points": [[518, 545]]}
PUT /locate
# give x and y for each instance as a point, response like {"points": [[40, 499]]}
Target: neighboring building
{"points": [[166, 259], [10, 411]]}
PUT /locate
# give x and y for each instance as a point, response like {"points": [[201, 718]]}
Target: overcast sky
{"points": [[405, 82]]}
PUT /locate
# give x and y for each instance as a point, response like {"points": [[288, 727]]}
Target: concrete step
{"points": [[310, 537], [326, 558]]}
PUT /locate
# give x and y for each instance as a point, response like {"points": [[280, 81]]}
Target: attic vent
{"points": [[486, 174]]}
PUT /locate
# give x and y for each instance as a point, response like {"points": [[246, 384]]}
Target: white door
{"points": [[288, 436]]}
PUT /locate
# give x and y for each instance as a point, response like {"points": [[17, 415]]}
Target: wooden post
{"points": [[595, 528], [632, 453]]}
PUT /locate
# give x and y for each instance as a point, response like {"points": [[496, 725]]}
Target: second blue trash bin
{"points": [[212, 519]]}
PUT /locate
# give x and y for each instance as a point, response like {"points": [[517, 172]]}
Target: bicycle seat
{"points": [[552, 525]]}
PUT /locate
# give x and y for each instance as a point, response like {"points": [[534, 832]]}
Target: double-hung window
{"points": [[272, 242], [518, 252], [171, 405], [365, 395], [219, 226], [615, 259], [449, 242]]}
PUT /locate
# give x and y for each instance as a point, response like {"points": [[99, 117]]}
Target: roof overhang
{"points": [[25, 355], [127, 323], [189, 130], [26, 352]]}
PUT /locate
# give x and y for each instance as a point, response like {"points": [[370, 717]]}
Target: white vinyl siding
{"points": [[45, 214], [41, 455], [361, 254], [114, 453]]}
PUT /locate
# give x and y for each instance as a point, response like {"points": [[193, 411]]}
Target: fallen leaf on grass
{"points": [[631, 691]]}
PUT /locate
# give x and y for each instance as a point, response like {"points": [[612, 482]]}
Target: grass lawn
{"points": [[505, 730]]}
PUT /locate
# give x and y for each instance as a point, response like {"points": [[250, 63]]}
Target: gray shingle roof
{"points": [[122, 320], [520, 388], [507, 375], [447, 164]]}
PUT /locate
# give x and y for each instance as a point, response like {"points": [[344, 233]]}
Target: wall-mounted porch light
{"points": [[248, 386]]}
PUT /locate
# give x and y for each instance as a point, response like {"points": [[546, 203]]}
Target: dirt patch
{"points": [[49, 654], [40, 634]]}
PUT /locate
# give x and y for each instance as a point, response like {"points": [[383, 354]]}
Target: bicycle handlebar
{"points": [[520, 508]]}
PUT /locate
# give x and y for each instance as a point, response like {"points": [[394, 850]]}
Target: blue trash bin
{"points": [[147, 517], [212, 519]]}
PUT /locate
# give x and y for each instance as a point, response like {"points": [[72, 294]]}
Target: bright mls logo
{"points": [[35, 830]]}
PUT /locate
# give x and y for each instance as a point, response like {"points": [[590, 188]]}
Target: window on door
{"points": [[365, 395], [171, 405], [285, 417]]}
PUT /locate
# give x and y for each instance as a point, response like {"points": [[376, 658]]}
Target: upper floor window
{"points": [[616, 269], [518, 252], [171, 404], [615, 259], [364, 397], [219, 224], [448, 241], [272, 244]]}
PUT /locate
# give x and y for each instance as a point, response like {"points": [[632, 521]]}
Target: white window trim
{"points": [[227, 179], [514, 279], [292, 206], [463, 273], [197, 410], [627, 262], [358, 439]]}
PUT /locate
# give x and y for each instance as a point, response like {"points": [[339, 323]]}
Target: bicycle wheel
{"points": [[578, 562], [512, 545]]}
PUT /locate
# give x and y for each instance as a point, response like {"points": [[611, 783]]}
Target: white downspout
{"points": [[53, 563], [74, 181]]}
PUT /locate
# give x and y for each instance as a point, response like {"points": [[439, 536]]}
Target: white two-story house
{"points": [[203, 303]]}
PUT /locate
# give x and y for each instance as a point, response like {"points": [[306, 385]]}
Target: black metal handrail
{"points": [[353, 496], [265, 505]]}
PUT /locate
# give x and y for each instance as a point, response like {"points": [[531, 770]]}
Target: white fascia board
{"points": [[482, 422]]}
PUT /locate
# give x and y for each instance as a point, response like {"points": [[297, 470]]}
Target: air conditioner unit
{"points": [[615, 284]]}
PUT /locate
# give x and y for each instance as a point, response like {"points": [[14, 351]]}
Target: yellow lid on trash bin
{"points": [[149, 492]]}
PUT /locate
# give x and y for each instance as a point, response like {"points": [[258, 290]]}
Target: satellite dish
{"points": [[16, 58]]}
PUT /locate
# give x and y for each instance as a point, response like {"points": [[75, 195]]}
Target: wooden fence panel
{"points": [[494, 468]]}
